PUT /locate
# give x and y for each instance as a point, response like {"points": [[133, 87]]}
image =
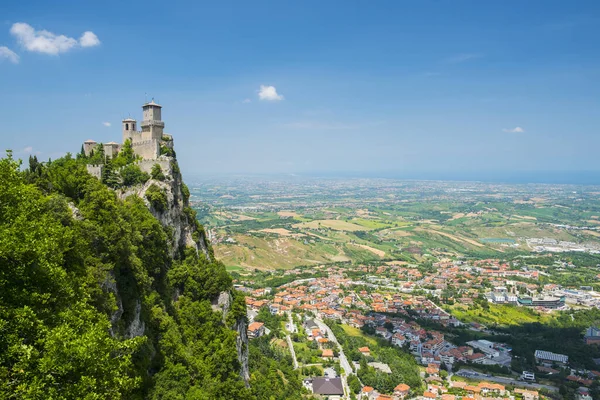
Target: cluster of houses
{"points": [[334, 298], [400, 392], [389, 308]]}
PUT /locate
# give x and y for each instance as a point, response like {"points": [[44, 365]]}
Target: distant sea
{"points": [[548, 177]]}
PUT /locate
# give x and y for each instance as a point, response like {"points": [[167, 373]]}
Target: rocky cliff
{"points": [[185, 232], [108, 287]]}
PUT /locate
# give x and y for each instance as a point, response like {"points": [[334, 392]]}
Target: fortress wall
{"points": [[135, 136], [95, 170], [147, 149], [111, 151], [88, 148], [165, 165]]}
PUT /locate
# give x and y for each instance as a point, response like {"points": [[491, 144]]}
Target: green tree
{"points": [[125, 155], [157, 173], [131, 174]]}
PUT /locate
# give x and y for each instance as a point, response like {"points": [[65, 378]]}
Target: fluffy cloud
{"points": [[48, 42], [28, 149], [517, 129], [89, 39], [107, 124], [8, 54], [269, 93]]}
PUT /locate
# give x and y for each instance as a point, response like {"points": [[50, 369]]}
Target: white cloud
{"points": [[47, 42], [269, 93], [8, 54], [89, 39], [28, 149], [107, 124], [517, 129], [246, 101]]}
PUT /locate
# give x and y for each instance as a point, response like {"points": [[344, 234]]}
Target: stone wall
{"points": [[147, 149], [88, 147], [111, 150], [95, 170], [165, 165]]}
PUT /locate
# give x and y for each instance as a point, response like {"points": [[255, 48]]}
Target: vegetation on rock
{"points": [[91, 303]]}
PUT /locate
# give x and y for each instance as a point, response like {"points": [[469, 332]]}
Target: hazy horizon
{"points": [[516, 177]]}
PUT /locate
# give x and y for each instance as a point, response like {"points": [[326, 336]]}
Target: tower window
{"points": [[126, 127]]}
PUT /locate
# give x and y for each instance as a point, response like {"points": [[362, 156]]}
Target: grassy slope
{"points": [[504, 315]]}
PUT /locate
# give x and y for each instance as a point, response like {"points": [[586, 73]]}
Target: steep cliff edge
{"points": [[109, 288], [179, 220], [174, 214]]}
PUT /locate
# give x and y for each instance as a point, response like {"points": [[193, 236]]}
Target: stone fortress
{"points": [[145, 143]]}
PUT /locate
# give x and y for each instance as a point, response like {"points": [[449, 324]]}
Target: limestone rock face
{"points": [[241, 343], [174, 216], [110, 285], [223, 304]]}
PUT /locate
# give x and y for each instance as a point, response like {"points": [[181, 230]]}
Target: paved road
{"points": [[291, 346], [343, 360], [291, 325], [292, 329], [507, 381]]}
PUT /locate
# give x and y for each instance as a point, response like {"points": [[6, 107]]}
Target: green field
{"points": [[503, 315], [351, 331], [320, 223]]}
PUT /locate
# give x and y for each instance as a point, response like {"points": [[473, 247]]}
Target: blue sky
{"points": [[370, 87]]}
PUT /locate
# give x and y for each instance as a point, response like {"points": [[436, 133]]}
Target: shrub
{"points": [[157, 173], [157, 197], [186, 193], [133, 175], [164, 150]]}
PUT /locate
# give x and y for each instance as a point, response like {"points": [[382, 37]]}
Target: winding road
{"points": [[507, 381]]}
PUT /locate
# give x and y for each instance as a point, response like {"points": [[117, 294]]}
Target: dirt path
{"points": [[373, 250], [453, 237]]}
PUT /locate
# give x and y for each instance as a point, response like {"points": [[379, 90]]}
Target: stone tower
{"points": [[129, 129], [152, 125]]}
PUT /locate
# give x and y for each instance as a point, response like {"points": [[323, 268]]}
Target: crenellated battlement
{"points": [[145, 143]]}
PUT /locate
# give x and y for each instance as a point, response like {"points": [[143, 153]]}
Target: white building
{"points": [[485, 346]]}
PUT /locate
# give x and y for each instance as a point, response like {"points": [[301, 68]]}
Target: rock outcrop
{"points": [[223, 304], [175, 217], [179, 221]]}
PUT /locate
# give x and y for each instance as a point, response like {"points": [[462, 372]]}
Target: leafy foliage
{"points": [[157, 197], [133, 175], [157, 173], [272, 372], [125, 156], [78, 267], [403, 365]]}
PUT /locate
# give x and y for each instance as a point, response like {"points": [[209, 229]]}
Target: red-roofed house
{"points": [[256, 329], [365, 351], [327, 353], [401, 391]]}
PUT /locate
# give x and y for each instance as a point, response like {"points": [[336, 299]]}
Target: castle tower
{"points": [[129, 129], [152, 125]]}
